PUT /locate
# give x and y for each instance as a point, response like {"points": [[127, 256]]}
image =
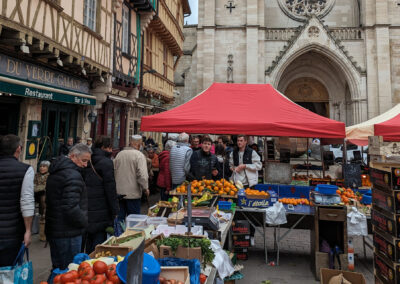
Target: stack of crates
{"points": [[385, 218], [241, 238]]}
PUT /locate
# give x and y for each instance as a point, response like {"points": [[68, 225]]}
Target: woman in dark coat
{"points": [[101, 191]]}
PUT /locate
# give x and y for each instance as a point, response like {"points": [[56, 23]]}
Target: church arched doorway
{"points": [[310, 94], [317, 83]]}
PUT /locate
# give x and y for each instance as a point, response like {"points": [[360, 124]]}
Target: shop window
{"points": [[125, 29], [89, 15]]}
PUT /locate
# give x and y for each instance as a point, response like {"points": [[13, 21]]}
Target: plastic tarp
{"points": [[252, 109], [386, 125]]}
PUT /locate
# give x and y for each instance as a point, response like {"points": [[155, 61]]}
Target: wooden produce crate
{"points": [[178, 273], [353, 277]]}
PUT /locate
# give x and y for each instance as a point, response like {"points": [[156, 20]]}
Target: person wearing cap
{"points": [[89, 142], [131, 177]]}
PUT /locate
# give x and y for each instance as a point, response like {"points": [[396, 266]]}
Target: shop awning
{"points": [[253, 109], [386, 125], [37, 91]]}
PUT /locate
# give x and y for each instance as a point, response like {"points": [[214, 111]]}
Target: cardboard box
{"points": [[381, 179], [102, 250], [322, 261], [353, 277], [387, 273], [388, 223], [243, 201], [181, 252], [241, 253], [241, 227], [241, 241], [386, 245], [387, 201], [189, 253], [178, 273]]}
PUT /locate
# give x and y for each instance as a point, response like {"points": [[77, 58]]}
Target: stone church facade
{"points": [[339, 58]]}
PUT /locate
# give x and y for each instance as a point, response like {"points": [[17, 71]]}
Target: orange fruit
{"points": [[232, 193], [221, 192], [194, 191]]}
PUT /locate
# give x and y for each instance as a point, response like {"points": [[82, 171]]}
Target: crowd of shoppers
{"points": [[84, 191]]}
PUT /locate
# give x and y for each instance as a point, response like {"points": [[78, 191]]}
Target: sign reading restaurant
{"points": [[30, 80]]}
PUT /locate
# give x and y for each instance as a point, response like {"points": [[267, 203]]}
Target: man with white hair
{"points": [[131, 177], [179, 161], [66, 206]]}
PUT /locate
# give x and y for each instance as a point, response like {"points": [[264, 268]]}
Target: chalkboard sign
{"points": [[352, 175]]}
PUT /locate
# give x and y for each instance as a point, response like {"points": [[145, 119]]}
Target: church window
{"points": [[302, 9]]}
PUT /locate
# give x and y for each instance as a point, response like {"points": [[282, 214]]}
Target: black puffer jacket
{"points": [[102, 194], [66, 200], [201, 165]]}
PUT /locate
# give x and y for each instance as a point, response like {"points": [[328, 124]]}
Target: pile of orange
{"points": [[250, 191], [295, 201], [221, 187], [346, 194]]}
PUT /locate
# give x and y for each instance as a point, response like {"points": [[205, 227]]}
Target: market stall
{"points": [[386, 125], [262, 111]]}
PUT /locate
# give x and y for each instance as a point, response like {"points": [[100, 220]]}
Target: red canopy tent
{"points": [[252, 109], [389, 129]]}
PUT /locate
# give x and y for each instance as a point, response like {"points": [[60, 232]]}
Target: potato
{"points": [[162, 280], [180, 282], [173, 281]]}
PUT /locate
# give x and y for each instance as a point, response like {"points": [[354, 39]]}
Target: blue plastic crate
{"points": [[326, 189], [224, 205], [295, 191]]}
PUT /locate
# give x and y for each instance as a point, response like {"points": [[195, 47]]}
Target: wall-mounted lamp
{"points": [[24, 48], [59, 62]]}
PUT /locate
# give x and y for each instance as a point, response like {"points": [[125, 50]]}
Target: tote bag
{"points": [[21, 272]]}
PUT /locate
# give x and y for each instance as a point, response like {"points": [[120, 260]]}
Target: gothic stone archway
{"points": [[310, 94], [324, 88]]}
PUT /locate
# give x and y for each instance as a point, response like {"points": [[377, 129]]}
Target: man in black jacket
{"points": [[64, 148], [102, 194], [66, 205], [203, 164], [17, 203]]}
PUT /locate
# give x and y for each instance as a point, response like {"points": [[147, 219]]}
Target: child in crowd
{"points": [[40, 194]]}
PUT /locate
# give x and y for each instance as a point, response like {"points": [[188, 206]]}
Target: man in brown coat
{"points": [[131, 177]]}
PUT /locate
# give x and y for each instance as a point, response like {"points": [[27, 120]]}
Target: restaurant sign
{"points": [[25, 71]]}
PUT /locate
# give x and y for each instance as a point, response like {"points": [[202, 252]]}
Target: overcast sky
{"points": [[192, 19]]}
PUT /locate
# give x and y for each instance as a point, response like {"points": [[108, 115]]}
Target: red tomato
{"points": [[87, 274], [111, 270], [114, 279], [44, 282], [100, 267], [109, 282], [98, 279], [74, 273], [57, 279], [78, 281], [68, 277], [69, 282], [203, 278], [82, 267], [85, 282]]}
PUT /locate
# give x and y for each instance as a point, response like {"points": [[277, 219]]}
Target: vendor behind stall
{"points": [[245, 163], [203, 164]]}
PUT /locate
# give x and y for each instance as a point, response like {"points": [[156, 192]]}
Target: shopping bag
{"points": [[356, 223], [276, 214], [21, 272]]}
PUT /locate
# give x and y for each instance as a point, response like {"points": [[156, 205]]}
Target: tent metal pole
{"points": [[308, 147]]}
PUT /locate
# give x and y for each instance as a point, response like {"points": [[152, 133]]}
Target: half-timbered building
{"points": [[55, 61]]}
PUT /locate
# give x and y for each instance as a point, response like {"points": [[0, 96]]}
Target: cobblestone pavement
{"points": [[295, 264]]}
